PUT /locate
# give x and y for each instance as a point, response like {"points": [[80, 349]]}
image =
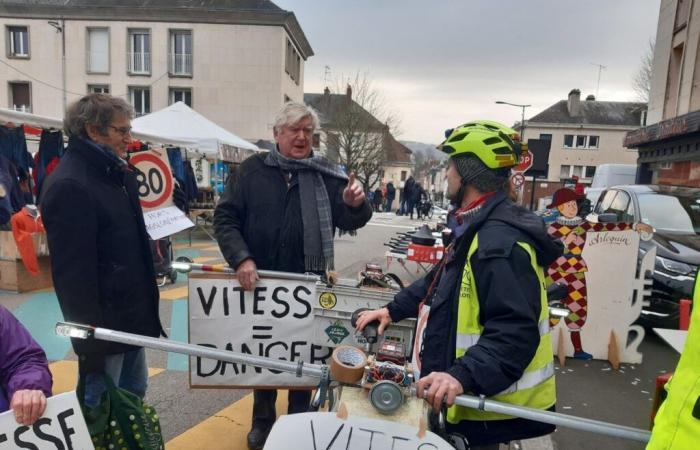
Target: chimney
{"points": [[574, 103], [326, 91], [348, 93], [590, 98]]}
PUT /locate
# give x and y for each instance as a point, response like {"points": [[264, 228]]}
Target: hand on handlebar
{"points": [[366, 317]]}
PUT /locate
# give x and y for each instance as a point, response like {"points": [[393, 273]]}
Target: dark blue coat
{"points": [[100, 255]]}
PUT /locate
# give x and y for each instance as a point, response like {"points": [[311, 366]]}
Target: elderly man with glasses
{"points": [[279, 212], [100, 254]]}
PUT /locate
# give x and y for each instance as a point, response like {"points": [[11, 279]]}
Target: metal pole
{"points": [[63, 63], [313, 370], [300, 368], [577, 423], [223, 268]]}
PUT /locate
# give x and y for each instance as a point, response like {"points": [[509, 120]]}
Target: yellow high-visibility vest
{"points": [[536, 388], [677, 424]]}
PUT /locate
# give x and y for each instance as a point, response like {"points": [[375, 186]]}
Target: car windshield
{"points": [[670, 213]]}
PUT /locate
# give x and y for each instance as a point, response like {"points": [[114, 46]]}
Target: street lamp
{"points": [[522, 139], [61, 28], [522, 120]]}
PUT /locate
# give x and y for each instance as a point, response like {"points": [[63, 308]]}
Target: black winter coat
{"points": [[509, 305], [100, 255], [259, 216]]}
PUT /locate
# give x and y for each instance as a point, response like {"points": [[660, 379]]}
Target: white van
{"points": [[607, 175]]}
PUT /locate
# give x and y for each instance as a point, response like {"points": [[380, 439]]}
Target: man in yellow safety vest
{"points": [[482, 312]]}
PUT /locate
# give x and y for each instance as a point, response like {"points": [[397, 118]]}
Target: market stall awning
{"points": [[178, 124]]}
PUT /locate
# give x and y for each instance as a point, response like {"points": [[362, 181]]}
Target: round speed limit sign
{"points": [[154, 179], [518, 179]]}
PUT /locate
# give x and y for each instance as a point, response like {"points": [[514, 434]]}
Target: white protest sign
{"points": [[166, 221], [327, 431], [274, 320], [155, 189], [62, 427]]}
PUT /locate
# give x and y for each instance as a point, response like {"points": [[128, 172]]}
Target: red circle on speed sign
{"points": [[518, 179], [158, 181]]}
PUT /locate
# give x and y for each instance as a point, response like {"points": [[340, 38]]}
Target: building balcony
{"points": [[180, 64], [138, 63]]}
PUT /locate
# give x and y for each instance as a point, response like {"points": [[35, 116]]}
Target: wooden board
{"points": [[14, 277]]}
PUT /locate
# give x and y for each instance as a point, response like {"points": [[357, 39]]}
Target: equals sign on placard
{"points": [[262, 328]]}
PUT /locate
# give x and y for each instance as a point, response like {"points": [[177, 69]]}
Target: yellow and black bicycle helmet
{"points": [[495, 144]]}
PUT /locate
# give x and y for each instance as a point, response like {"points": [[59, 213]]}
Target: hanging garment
{"points": [[11, 198], [175, 158], [13, 146], [190, 184], [24, 224], [50, 151]]}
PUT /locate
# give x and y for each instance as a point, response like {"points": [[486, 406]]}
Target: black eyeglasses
{"points": [[123, 130]]}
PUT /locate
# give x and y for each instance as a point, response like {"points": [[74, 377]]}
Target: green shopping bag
{"points": [[121, 421]]}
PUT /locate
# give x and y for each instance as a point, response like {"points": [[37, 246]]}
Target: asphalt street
{"points": [[219, 418]]}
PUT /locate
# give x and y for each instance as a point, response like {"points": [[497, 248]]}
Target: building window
{"points": [[21, 96], [98, 50], [590, 171], [292, 62], [580, 141], [565, 171], [139, 52], [546, 137], [593, 141], [578, 171], [140, 98], [568, 140], [98, 89], [18, 42], [403, 175], [181, 95], [180, 55]]}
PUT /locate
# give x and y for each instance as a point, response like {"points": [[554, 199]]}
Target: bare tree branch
{"points": [[642, 80], [357, 136]]}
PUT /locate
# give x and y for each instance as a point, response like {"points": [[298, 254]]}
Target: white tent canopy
{"points": [[178, 124]]}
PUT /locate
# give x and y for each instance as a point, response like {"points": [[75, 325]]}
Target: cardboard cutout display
{"points": [[588, 274]]}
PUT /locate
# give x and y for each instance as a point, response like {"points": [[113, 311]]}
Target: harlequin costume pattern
{"points": [[570, 269]]}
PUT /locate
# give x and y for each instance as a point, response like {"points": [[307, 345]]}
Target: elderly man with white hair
{"points": [[279, 212]]}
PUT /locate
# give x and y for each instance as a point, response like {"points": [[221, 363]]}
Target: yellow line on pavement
{"points": [[194, 244], [65, 375], [225, 430], [174, 293], [208, 259]]}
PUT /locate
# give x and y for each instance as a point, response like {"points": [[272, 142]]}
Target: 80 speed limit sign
{"points": [[155, 180]]}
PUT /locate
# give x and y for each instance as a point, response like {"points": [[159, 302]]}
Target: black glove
{"points": [[180, 199]]}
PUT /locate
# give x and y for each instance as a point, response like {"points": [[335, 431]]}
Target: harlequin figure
{"points": [[570, 268]]}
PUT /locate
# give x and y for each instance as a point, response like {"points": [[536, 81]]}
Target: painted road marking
{"points": [[65, 375], [39, 315], [391, 226], [208, 259], [174, 293], [225, 430], [178, 332]]}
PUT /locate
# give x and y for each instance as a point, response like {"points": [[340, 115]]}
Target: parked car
{"points": [[674, 213]]}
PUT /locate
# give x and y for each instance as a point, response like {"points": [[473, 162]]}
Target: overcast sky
{"points": [[439, 63]]}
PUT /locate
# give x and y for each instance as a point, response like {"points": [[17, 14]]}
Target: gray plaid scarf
{"points": [[315, 205]]}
